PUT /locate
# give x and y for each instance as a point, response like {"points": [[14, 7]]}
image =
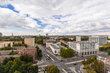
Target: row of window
{"points": [[89, 53]]}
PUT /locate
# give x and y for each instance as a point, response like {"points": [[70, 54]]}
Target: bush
{"points": [[52, 69], [6, 48], [13, 53]]}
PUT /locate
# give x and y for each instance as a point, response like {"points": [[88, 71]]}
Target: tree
{"points": [[2, 68], [52, 69], [91, 63], [18, 66], [6, 60], [108, 52], [17, 71], [67, 53], [39, 53], [26, 58], [98, 66], [91, 71]]}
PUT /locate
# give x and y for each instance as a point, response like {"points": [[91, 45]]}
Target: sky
{"points": [[55, 17]]}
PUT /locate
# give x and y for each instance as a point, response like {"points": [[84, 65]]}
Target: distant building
{"points": [[50, 41], [30, 42], [102, 40], [1, 34], [78, 38], [5, 44]]}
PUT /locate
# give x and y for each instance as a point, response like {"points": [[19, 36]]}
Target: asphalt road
{"points": [[52, 60]]}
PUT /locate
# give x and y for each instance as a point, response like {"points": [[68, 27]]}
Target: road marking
{"points": [[64, 71], [74, 62], [50, 57], [42, 66], [73, 69]]}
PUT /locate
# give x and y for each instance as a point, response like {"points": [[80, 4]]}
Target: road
{"points": [[64, 66]]}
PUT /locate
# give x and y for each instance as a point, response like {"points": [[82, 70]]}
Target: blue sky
{"points": [[55, 17]]}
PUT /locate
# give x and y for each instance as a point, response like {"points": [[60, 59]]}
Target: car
{"points": [[75, 64]]}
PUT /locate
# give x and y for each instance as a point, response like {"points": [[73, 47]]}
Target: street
{"points": [[68, 66]]}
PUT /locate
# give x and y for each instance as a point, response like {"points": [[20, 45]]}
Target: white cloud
{"points": [[87, 16]]}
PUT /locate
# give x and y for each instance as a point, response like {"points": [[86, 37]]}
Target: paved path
{"points": [[74, 62]]}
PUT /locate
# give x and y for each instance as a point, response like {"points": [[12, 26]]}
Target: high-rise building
{"points": [[30, 42], [1, 35]]}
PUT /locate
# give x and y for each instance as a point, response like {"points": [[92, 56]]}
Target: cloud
{"points": [[9, 18], [59, 16]]}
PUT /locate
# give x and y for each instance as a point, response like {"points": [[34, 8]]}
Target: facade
{"points": [[20, 50], [84, 48], [55, 48], [30, 42], [102, 40], [5, 44]]}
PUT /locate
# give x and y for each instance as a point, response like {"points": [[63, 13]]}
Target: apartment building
{"points": [[30, 42]]}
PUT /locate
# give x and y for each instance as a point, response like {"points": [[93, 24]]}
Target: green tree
{"points": [[52, 69], [2, 68], [98, 66], [26, 58], [91, 71], [108, 52], [39, 53], [6, 60], [67, 53], [17, 71]]}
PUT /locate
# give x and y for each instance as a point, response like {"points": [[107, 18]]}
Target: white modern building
{"points": [[55, 48], [102, 40], [84, 48]]}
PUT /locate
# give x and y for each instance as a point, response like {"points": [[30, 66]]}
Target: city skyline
{"points": [[56, 17]]}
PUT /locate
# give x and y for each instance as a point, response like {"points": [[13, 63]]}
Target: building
{"points": [[20, 51], [55, 48], [102, 40], [30, 42], [78, 38], [84, 48], [1, 35], [50, 41], [5, 44]]}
